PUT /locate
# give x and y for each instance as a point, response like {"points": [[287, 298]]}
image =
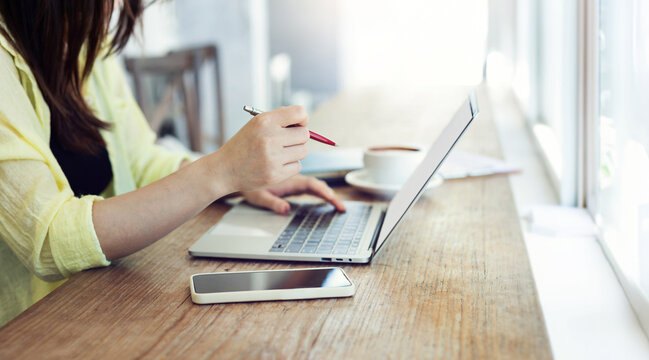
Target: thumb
{"points": [[264, 198]]}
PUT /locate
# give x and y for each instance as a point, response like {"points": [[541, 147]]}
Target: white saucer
{"points": [[360, 180]]}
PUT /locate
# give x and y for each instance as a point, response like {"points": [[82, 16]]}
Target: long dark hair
{"points": [[51, 35]]}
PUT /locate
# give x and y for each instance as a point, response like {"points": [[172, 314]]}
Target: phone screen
{"points": [[269, 280]]}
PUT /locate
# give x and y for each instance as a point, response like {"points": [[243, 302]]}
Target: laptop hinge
{"points": [[375, 237]]}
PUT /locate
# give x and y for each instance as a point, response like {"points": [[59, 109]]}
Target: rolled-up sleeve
{"points": [[81, 249], [48, 229]]}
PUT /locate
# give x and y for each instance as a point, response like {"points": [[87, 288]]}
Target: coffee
{"points": [[394, 148]]}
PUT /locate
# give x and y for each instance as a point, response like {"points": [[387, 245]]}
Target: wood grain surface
{"points": [[454, 281]]}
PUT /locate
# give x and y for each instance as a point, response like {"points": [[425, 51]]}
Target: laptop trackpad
{"points": [[248, 221]]}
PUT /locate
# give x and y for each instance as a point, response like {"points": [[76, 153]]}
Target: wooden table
{"points": [[453, 282]]}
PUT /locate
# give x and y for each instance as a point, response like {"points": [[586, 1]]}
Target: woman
{"points": [[81, 180]]}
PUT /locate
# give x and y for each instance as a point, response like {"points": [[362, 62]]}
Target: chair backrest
{"points": [[182, 70]]}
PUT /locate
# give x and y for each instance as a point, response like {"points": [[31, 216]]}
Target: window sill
{"points": [[586, 311]]}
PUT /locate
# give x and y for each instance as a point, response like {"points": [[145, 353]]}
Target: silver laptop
{"points": [[316, 232]]}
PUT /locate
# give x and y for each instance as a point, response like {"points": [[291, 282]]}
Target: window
{"points": [[546, 84], [581, 73], [618, 189]]}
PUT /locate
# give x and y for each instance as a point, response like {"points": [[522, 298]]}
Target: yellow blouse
{"points": [[46, 233]]}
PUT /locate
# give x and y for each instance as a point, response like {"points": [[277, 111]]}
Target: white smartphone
{"points": [[266, 285]]}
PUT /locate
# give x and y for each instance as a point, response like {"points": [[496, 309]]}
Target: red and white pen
{"points": [[317, 137]]}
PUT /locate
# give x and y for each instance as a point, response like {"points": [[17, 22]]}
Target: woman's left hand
{"points": [[270, 197]]}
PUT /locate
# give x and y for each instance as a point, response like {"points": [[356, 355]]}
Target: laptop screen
{"points": [[415, 185]]}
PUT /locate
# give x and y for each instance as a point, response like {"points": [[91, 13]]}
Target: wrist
{"points": [[214, 177]]}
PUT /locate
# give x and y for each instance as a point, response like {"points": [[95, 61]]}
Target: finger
{"points": [[292, 115], [321, 189], [291, 186], [294, 153], [291, 169], [295, 136], [264, 198]]}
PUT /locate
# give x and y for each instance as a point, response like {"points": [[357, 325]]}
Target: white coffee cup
{"points": [[391, 164]]}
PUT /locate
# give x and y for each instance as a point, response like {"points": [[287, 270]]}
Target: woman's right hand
{"points": [[264, 152]]}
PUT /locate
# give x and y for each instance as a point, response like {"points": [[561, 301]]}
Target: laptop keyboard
{"points": [[319, 229]]}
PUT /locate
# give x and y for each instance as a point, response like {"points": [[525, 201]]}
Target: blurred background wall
{"points": [[279, 52]]}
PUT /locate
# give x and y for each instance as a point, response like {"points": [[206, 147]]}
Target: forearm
{"points": [[132, 221], [265, 151]]}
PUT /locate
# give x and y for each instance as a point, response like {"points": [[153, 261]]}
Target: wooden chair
{"points": [[182, 71]]}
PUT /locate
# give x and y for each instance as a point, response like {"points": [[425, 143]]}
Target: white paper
{"points": [[461, 164], [553, 220]]}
